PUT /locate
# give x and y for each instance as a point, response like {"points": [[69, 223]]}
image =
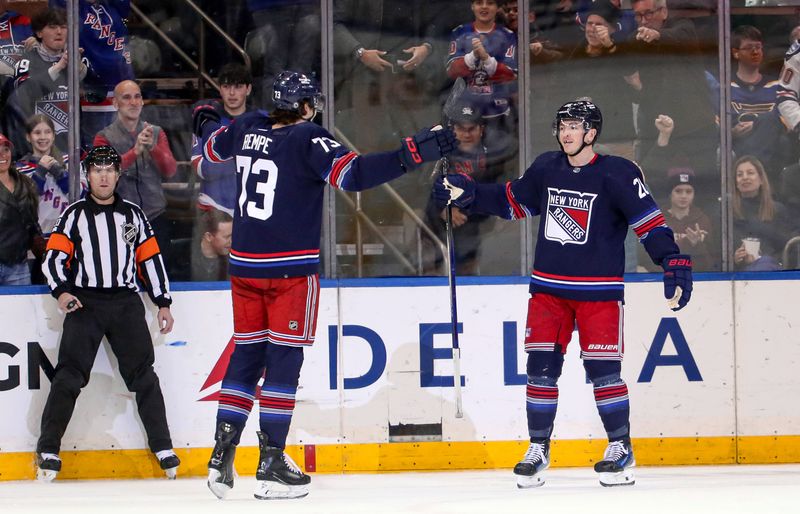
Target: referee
{"points": [[98, 248]]}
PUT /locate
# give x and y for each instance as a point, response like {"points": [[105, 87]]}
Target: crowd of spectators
{"points": [[646, 65]]}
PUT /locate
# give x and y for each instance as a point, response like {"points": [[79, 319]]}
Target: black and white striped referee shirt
{"points": [[105, 247]]}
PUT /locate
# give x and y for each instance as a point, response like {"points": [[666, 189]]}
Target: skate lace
{"points": [[615, 451], [534, 454], [50, 456], [291, 464]]}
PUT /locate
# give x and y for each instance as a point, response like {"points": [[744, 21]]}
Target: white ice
{"points": [[674, 490]]}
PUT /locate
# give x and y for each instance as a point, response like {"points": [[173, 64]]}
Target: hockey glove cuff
{"points": [[202, 114], [677, 280], [427, 145], [456, 189]]}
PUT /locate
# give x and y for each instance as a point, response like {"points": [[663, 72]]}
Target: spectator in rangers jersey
{"points": [[40, 83], [588, 202], [485, 54], [99, 247], [47, 166], [146, 159], [103, 36], [284, 163], [15, 29], [19, 230], [483, 164]]}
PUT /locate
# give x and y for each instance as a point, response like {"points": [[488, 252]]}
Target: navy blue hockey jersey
{"points": [[586, 212], [281, 177]]}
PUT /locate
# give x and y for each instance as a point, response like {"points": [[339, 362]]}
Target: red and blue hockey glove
{"points": [[677, 280], [427, 145], [455, 188], [204, 113]]}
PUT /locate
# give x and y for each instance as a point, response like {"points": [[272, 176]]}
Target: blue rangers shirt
{"points": [[281, 177], [586, 211]]}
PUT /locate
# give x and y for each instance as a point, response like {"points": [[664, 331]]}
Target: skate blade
{"points": [[172, 473], [624, 477], [45, 475], [529, 482], [269, 490], [219, 489]]}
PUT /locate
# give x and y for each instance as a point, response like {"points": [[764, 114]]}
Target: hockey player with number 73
{"points": [[587, 202], [283, 164]]}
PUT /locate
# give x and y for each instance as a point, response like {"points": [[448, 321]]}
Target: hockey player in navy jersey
{"points": [[587, 202], [283, 164]]}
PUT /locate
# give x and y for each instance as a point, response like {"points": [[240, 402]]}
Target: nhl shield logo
{"points": [[568, 216], [129, 233], [293, 325]]}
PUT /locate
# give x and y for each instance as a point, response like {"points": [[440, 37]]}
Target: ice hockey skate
{"points": [[278, 476], [220, 467], [617, 465], [530, 470], [47, 466], [169, 462]]}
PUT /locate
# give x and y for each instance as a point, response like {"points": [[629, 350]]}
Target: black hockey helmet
{"points": [[583, 110], [292, 87], [102, 156]]}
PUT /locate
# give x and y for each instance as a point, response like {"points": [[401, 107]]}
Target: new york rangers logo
{"points": [[568, 216]]}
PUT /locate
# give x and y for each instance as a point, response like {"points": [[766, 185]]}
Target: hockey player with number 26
{"points": [[283, 163], [587, 202]]}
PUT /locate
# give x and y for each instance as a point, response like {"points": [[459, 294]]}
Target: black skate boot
{"points": [[47, 466], [278, 476], [530, 470], [220, 466], [169, 462], [616, 468]]}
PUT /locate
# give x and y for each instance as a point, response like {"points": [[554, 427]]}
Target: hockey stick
{"points": [[455, 93]]}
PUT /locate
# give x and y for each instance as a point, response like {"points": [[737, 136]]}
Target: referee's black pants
{"points": [[118, 315]]}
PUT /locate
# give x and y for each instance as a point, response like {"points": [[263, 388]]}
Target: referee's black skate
{"points": [[169, 462], [278, 476], [220, 466], [47, 466], [530, 470], [617, 465]]}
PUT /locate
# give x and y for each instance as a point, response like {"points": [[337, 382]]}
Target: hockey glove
{"points": [[677, 280], [202, 114], [456, 188], [427, 145]]}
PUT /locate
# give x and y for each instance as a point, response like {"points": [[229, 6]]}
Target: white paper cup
{"points": [[752, 245]]}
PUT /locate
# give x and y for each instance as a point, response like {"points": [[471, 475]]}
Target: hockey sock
{"points": [[276, 404], [614, 408], [235, 402], [541, 403]]}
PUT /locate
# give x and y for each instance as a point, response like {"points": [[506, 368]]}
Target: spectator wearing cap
{"points": [[19, 226], [692, 227], [481, 160]]}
